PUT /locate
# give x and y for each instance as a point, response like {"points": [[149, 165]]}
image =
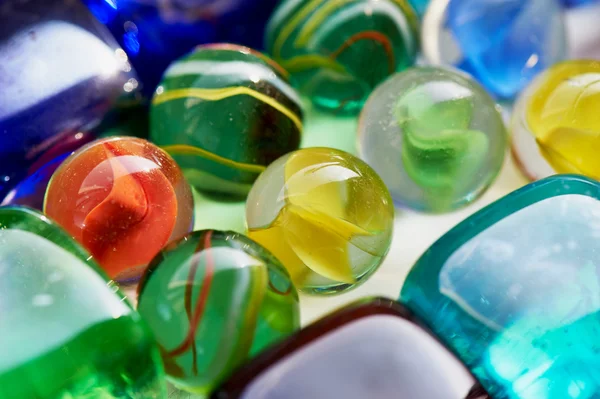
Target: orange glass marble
{"points": [[123, 199]]}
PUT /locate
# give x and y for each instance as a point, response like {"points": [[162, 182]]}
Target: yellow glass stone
{"points": [[562, 114], [325, 214]]}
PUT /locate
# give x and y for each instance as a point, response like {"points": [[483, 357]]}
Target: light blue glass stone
{"points": [[515, 291], [505, 43]]}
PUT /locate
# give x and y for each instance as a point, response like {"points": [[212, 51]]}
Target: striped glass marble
{"points": [[213, 299], [225, 112], [338, 51]]}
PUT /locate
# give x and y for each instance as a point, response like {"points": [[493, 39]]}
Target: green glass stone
{"points": [[434, 136], [65, 330], [225, 112], [338, 51], [213, 299], [514, 291]]}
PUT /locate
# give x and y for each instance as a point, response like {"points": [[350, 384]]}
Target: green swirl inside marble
{"points": [[440, 152]]}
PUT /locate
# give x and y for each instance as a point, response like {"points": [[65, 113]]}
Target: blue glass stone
{"points": [[514, 291], [578, 3], [502, 43], [61, 71], [156, 32]]}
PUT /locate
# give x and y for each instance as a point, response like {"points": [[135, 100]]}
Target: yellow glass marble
{"points": [[560, 114], [326, 215]]}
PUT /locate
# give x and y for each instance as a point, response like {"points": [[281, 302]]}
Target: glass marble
{"points": [[514, 291], [68, 333], [225, 112], [213, 299], [555, 126], [373, 348], [503, 43], [123, 199], [156, 32], [62, 71], [326, 215], [338, 51], [434, 136]]}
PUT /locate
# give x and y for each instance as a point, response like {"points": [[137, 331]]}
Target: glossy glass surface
{"points": [[61, 72], [434, 136], [213, 299], [68, 332], [225, 112], [503, 43], [514, 291], [338, 51], [555, 125], [123, 198], [373, 348], [578, 3], [325, 214], [156, 32]]}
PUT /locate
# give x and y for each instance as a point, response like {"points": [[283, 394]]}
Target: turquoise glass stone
{"points": [[514, 291]]}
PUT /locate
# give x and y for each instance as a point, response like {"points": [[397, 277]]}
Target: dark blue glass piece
{"points": [[60, 72], [156, 32]]}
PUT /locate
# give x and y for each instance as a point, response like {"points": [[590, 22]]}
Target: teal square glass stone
{"points": [[514, 291]]}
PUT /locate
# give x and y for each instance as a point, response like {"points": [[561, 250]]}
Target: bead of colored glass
{"points": [[62, 72], [338, 51], [154, 33], [555, 126], [503, 43], [372, 348], [123, 199], [434, 136], [326, 215], [213, 299], [225, 112], [514, 291], [68, 333]]}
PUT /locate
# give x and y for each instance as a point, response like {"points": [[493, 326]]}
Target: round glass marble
{"points": [[326, 215], [555, 123], [338, 51], [213, 299], [225, 112], [434, 136], [504, 44], [123, 199]]}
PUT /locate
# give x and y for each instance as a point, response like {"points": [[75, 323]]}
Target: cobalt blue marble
{"points": [[502, 43], [61, 71], [156, 32], [514, 291]]}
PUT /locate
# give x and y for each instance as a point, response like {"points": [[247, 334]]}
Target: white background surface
{"points": [[415, 232]]}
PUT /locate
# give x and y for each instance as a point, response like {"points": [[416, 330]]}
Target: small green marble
{"points": [[434, 136], [338, 51], [225, 112], [65, 330], [514, 291], [214, 299]]}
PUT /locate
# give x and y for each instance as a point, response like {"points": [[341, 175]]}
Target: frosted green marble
{"points": [[65, 330]]}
